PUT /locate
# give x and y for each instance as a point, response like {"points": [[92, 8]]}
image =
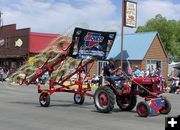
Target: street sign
{"points": [[130, 14]]}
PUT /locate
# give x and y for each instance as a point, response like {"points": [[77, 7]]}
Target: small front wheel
{"points": [[143, 109], [78, 99], [44, 99]]}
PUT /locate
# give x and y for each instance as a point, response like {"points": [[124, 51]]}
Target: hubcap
{"points": [[43, 99], [78, 97], [142, 109], [103, 99]]}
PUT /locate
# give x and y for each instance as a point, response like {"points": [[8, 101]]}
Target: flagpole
{"points": [[122, 33]]}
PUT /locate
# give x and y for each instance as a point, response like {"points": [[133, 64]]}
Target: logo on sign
{"points": [[92, 39], [18, 43]]}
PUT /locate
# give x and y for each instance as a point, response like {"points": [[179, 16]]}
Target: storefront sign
{"points": [[2, 42], [130, 14], [18, 43]]}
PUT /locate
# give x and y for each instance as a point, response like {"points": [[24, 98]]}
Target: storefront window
{"points": [[153, 63], [7, 43]]}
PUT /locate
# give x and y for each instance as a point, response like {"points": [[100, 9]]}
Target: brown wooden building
{"points": [[17, 44], [140, 49]]}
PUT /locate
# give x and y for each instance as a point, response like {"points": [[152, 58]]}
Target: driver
{"points": [[110, 74]]}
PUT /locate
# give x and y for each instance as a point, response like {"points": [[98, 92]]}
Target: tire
{"points": [[167, 108], [44, 99], [126, 105], [79, 99], [143, 109], [104, 99]]}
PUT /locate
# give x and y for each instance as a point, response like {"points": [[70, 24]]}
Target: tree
{"points": [[169, 31]]}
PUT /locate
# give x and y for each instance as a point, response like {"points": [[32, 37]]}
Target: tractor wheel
{"points": [[78, 99], [143, 109], [126, 103], [167, 108], [104, 99], [44, 99]]}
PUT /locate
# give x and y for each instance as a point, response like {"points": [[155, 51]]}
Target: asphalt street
{"points": [[20, 110]]}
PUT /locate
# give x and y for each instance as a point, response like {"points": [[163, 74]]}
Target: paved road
{"points": [[20, 110]]}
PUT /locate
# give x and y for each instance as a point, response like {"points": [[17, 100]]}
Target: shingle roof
{"points": [[135, 46]]}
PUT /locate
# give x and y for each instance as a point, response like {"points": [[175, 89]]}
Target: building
{"points": [[16, 45], [140, 49], [174, 69]]}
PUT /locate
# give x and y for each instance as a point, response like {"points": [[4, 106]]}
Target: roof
{"points": [[40, 41], [175, 65], [135, 46]]}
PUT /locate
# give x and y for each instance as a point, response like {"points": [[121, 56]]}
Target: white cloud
{"points": [[56, 17], [149, 8]]}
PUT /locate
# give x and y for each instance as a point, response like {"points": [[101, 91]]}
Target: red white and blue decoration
{"points": [[156, 105], [90, 43]]}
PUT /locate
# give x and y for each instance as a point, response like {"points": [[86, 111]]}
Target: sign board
{"points": [[90, 43], [130, 14], [18, 43], [2, 42]]}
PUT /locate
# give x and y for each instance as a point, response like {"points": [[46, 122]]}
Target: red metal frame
{"points": [[62, 88], [59, 86]]}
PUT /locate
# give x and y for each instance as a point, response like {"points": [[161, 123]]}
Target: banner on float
{"points": [[91, 43]]}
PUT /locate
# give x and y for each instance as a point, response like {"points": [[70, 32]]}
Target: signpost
{"points": [[129, 19], [130, 14]]}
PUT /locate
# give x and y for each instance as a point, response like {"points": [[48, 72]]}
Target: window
{"points": [[154, 63], [7, 43]]}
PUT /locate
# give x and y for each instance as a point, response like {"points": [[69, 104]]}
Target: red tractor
{"points": [[148, 88]]}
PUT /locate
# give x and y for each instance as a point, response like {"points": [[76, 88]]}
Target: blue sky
{"points": [[60, 16]]}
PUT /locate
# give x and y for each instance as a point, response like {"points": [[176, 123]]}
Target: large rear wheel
{"points": [[104, 99], [126, 102]]}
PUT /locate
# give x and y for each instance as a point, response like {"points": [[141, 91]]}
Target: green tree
{"points": [[169, 31]]}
